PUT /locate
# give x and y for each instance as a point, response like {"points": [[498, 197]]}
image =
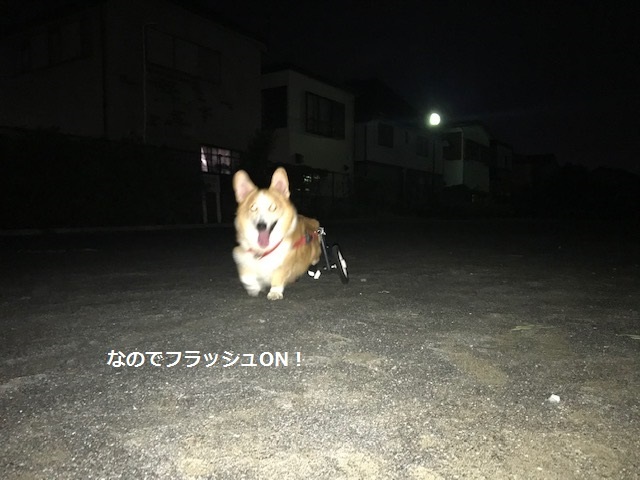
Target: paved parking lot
{"points": [[438, 360]]}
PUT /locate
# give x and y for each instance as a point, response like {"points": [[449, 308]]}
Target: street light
{"points": [[434, 121]]}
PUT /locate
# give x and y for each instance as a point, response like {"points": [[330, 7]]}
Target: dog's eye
{"points": [[272, 207], [253, 208]]}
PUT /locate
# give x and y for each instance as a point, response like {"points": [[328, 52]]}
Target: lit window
{"points": [[218, 160]]}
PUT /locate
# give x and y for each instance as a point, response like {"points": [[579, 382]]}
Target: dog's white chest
{"points": [[262, 267]]}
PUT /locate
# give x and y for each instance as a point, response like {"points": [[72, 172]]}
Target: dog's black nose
{"points": [[261, 226]]}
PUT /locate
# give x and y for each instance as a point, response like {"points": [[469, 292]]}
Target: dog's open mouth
{"points": [[264, 233]]}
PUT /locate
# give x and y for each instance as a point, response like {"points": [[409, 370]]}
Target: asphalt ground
{"points": [[459, 349]]}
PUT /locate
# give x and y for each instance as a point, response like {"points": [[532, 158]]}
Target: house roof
{"points": [[471, 124], [213, 15], [279, 67], [376, 100], [26, 18]]}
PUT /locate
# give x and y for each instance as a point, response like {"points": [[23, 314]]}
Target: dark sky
{"points": [[557, 77]]}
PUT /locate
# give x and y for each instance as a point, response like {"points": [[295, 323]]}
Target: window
{"points": [[35, 53], [385, 135], [476, 152], [65, 42], [60, 43], [324, 117], [167, 51], [218, 160], [274, 108], [310, 182], [422, 146]]}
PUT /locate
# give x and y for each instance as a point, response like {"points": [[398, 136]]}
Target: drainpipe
{"points": [[144, 81], [103, 55], [462, 154], [364, 137]]}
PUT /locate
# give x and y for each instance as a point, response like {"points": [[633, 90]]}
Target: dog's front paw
{"points": [[251, 285], [276, 293]]}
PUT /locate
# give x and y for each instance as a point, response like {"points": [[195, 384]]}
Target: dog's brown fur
{"points": [[269, 232]]}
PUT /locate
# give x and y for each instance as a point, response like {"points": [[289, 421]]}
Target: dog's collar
{"points": [[265, 253], [305, 239]]}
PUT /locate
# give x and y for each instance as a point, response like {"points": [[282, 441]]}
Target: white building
{"points": [[313, 123], [398, 159], [467, 157]]}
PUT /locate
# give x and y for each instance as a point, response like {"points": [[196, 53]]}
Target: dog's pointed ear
{"points": [[280, 182], [242, 185]]}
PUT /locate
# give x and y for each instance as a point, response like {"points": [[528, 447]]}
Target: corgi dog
{"points": [[275, 244]]}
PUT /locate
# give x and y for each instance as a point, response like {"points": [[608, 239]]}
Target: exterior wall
{"points": [[476, 175], [453, 172], [467, 163], [112, 92], [293, 143], [396, 175], [48, 93], [501, 171], [403, 154], [185, 109], [502, 156]]}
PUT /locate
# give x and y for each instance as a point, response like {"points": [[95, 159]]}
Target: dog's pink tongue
{"points": [[263, 238]]}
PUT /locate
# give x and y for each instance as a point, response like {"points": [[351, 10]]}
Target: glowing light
{"points": [[434, 119]]}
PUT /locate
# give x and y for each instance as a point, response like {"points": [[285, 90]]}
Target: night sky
{"points": [[545, 77], [557, 77]]}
